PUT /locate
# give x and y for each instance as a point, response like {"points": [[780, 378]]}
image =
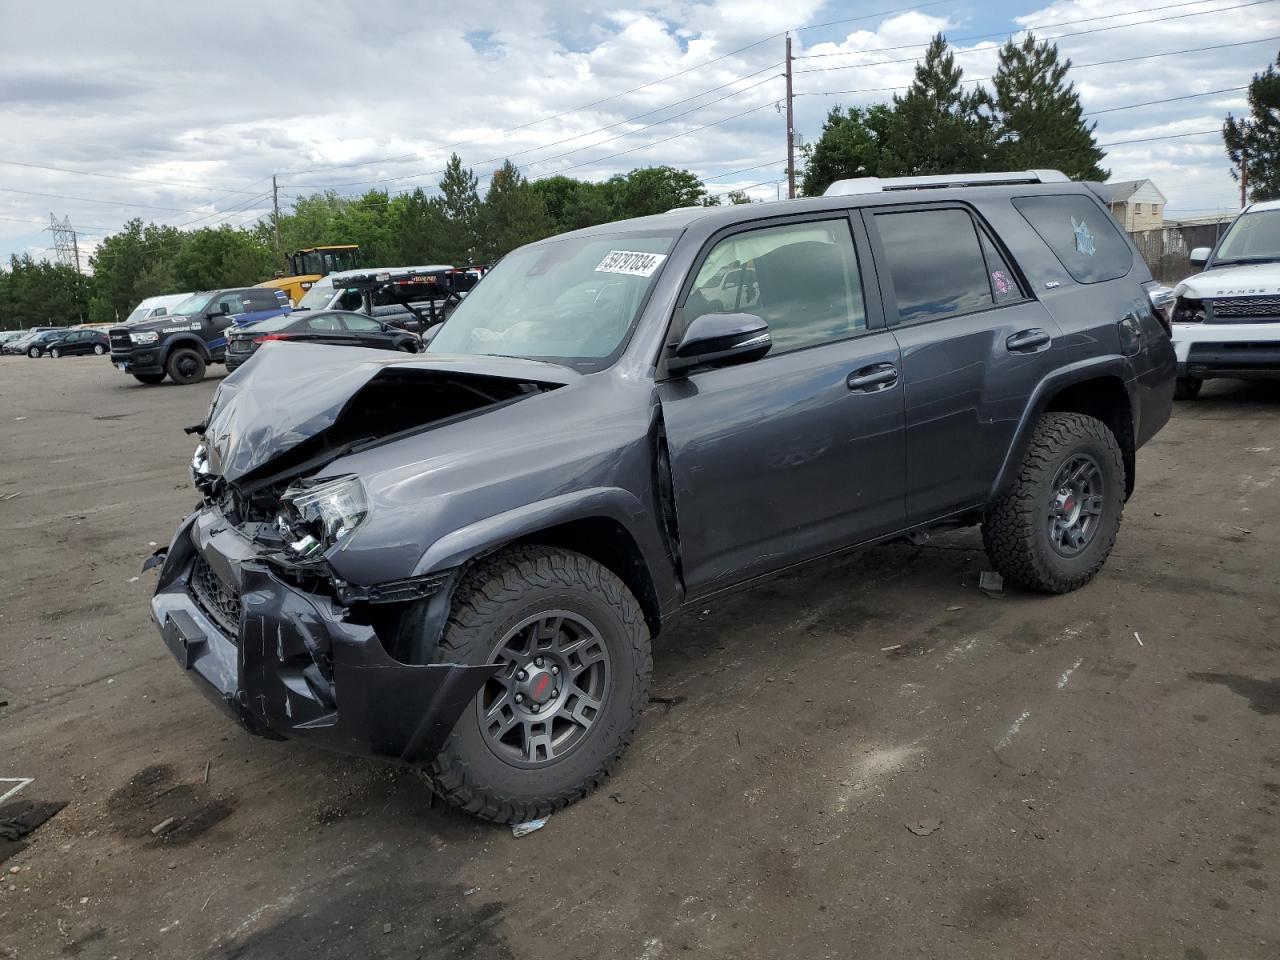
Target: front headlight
{"points": [[145, 336], [315, 514], [1187, 310]]}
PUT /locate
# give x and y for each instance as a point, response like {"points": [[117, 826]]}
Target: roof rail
{"points": [[843, 188]]}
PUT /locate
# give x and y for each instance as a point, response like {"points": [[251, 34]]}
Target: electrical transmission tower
{"points": [[65, 246]]}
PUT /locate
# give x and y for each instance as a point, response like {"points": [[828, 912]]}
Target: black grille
{"points": [[218, 601], [120, 341], [1261, 308]]}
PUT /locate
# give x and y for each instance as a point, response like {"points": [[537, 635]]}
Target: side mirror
{"points": [[721, 340], [224, 308], [1200, 255]]}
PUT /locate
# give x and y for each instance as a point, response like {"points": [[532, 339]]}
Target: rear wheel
{"points": [[1187, 388], [33, 352], [574, 679], [185, 366], [1053, 529], [150, 379], [99, 349]]}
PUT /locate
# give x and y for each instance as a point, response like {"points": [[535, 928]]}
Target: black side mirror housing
{"points": [[721, 340]]}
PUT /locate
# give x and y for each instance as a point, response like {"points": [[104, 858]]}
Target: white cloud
{"points": [[225, 99]]}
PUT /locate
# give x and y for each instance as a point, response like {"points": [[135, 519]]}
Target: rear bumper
{"points": [[1243, 350], [298, 668]]}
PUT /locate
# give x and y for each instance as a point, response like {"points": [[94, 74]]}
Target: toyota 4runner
{"points": [[458, 560], [1226, 320]]}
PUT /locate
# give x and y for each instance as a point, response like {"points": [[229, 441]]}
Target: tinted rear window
{"points": [[935, 261], [1082, 235]]}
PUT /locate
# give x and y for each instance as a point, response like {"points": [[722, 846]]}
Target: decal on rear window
{"points": [[631, 262], [1084, 239]]}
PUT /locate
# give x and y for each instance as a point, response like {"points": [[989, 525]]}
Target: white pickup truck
{"points": [[1226, 319]]}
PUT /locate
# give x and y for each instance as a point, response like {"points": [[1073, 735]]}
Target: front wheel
{"points": [[573, 650], [55, 353], [185, 366], [1054, 527], [1187, 388], [150, 379]]}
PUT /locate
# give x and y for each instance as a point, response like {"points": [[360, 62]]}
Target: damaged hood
{"points": [[312, 399], [1245, 280]]}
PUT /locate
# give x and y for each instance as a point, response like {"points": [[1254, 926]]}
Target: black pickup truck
{"points": [[194, 335], [457, 560]]}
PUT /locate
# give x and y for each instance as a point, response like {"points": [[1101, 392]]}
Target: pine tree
{"points": [[1037, 116], [462, 211], [853, 143], [1256, 138], [937, 126], [513, 214]]}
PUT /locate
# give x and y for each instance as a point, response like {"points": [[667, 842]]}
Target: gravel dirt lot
{"points": [[1097, 796]]}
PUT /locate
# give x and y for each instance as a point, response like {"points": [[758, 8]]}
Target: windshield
{"points": [[139, 313], [194, 304], [317, 298], [1254, 236], [570, 301]]}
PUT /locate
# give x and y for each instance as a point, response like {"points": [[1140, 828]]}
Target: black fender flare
{"points": [[474, 540], [1107, 365]]}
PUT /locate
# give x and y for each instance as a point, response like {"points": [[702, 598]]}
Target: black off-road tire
{"points": [[150, 379], [1187, 388], [188, 358], [1015, 526], [495, 595]]}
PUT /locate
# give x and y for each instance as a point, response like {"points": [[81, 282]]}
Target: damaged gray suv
{"points": [[457, 560]]}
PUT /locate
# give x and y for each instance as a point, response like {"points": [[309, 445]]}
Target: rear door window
{"points": [[325, 323], [936, 263], [1082, 235]]}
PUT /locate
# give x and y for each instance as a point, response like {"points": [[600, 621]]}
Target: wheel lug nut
{"points": [[522, 675], [555, 692], [519, 698], [555, 669], [537, 662], [535, 708]]}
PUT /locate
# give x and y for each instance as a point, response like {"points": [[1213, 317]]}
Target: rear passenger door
{"points": [[974, 345], [799, 453]]}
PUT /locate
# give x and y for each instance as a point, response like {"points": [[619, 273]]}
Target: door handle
{"points": [[1028, 341], [878, 376]]}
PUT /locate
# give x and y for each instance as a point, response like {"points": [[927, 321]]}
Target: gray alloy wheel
{"points": [[33, 352], [99, 349], [55, 353]]}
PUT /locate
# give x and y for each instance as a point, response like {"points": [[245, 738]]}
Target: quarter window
{"points": [[936, 263], [801, 279], [1085, 240], [355, 321], [1004, 285]]}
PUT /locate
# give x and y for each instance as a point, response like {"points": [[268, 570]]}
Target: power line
{"points": [[721, 176], [1074, 66], [113, 203], [1039, 26], [1152, 103], [1060, 36], [1171, 136]]}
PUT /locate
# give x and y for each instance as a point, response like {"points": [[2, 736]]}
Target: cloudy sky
{"points": [[180, 113]]}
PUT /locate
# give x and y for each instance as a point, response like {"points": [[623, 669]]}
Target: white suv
{"points": [[1226, 320]]}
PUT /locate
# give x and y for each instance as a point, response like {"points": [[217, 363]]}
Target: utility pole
{"points": [[791, 133], [275, 216], [1244, 177]]}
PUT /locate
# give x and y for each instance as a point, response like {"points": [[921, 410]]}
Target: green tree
{"points": [[853, 143], [223, 257], [1254, 141], [1037, 114], [734, 197], [938, 127], [513, 214], [573, 204], [650, 190], [36, 292], [416, 228], [461, 202]]}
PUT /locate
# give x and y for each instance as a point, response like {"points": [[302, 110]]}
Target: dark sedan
{"points": [[338, 327], [76, 342]]}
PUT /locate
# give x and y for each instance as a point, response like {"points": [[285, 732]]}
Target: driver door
{"points": [[800, 453]]}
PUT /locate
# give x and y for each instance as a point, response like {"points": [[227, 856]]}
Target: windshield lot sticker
{"points": [[631, 263], [1084, 239]]}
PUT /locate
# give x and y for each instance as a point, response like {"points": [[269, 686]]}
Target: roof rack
{"points": [[842, 188]]}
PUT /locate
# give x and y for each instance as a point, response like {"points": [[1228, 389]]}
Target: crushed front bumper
{"points": [[297, 668]]}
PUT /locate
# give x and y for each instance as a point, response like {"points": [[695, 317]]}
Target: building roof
{"points": [[1119, 191]]}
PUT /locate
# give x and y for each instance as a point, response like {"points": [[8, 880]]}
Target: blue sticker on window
{"points": [[1084, 239]]}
